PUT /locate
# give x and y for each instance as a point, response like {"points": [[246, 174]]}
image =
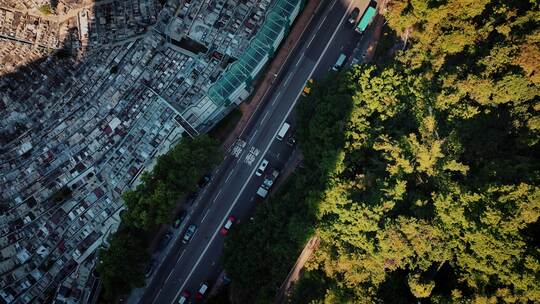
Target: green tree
{"points": [[121, 266]]}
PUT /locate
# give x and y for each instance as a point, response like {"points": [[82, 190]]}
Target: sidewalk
{"points": [[248, 107], [294, 274]]}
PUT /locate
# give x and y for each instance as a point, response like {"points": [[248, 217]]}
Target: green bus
{"points": [[366, 19]]}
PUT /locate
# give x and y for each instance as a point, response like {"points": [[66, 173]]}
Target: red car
{"points": [[227, 225], [184, 297], [202, 291]]}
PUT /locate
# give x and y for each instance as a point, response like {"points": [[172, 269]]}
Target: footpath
{"points": [[249, 106]]}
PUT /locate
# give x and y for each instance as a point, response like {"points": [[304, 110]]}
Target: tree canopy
{"points": [[423, 174], [150, 204]]}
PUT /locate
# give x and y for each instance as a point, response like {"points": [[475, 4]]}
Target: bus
{"points": [[366, 19]]}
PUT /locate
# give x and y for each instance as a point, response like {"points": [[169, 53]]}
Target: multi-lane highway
{"points": [[232, 190]]}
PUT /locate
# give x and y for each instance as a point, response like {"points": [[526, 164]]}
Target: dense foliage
{"points": [[151, 203], [424, 175]]}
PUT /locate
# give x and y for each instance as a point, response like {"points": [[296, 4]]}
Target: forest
{"points": [[421, 173]]}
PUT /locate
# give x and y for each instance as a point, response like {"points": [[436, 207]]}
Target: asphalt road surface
{"points": [[232, 190]]}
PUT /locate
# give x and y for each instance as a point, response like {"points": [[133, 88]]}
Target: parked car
{"points": [[202, 291], [354, 15], [307, 87], [228, 225], [191, 197], [150, 268], [204, 180], [291, 141], [179, 219], [184, 297], [164, 241], [190, 231], [262, 167]]}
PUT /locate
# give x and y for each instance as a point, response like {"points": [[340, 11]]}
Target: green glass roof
{"points": [[241, 73]]}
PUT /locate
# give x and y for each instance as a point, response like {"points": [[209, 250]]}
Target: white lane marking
{"points": [[180, 257], [253, 137], [287, 79], [264, 117], [254, 168], [157, 296], [311, 40], [228, 177], [205, 214], [168, 277], [299, 60], [219, 192]]}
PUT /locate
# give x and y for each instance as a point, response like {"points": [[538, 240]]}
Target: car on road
{"points": [[179, 219], [202, 291], [204, 180], [230, 221], [190, 231], [150, 268], [262, 167], [354, 15], [164, 241], [184, 297], [340, 62], [307, 87]]}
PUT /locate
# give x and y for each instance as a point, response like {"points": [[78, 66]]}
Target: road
{"points": [[232, 190]]}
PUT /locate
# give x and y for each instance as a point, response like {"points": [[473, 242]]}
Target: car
{"points": [[191, 197], [150, 268], [262, 167], [307, 88], [227, 225], [202, 291], [291, 141], [190, 231], [354, 15], [184, 297], [181, 217], [164, 241], [204, 180]]}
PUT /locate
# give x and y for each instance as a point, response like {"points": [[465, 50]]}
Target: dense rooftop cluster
{"points": [[88, 97]]}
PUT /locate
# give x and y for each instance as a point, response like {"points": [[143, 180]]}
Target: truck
{"points": [[282, 131], [366, 19], [267, 183], [339, 63]]}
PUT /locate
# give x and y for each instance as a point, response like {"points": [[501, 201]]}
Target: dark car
{"points": [[354, 15], [192, 197], [292, 141], [179, 219], [204, 180], [164, 241], [150, 268]]}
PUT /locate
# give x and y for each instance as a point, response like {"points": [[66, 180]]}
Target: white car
{"points": [[262, 167], [202, 291], [190, 231]]}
